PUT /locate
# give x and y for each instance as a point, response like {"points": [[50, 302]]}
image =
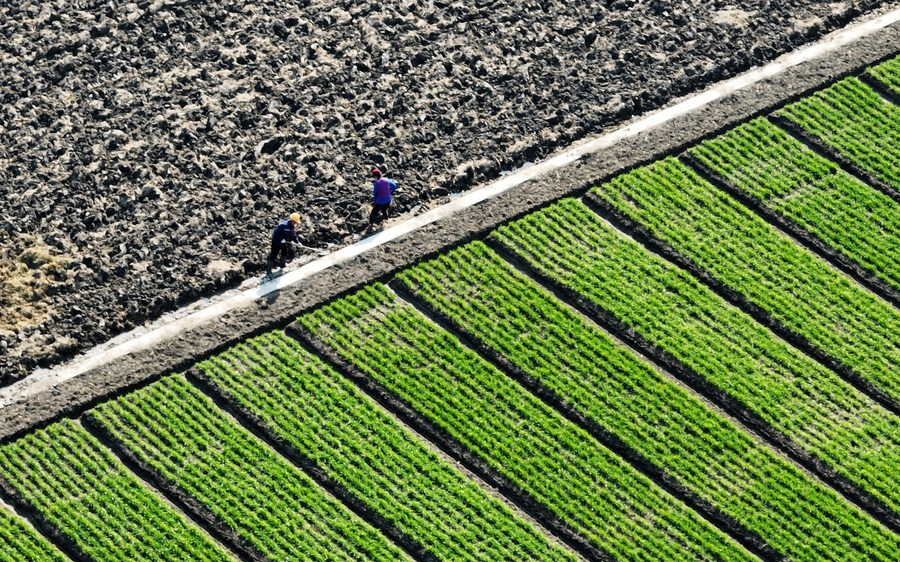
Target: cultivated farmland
{"points": [[22, 544], [188, 444], [888, 74], [694, 359], [520, 438], [92, 503], [670, 315], [852, 121], [788, 287], [653, 419], [339, 432], [774, 170]]}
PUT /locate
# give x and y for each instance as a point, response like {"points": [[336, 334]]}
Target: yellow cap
{"points": [[295, 217]]}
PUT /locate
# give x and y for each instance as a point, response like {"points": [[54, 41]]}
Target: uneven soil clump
{"points": [[149, 148]]}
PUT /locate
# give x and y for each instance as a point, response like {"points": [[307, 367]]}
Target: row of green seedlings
{"points": [[670, 315], [671, 208], [19, 542], [851, 121], [277, 512], [328, 423], [92, 504], [816, 201], [524, 444], [887, 73], [671, 432]]}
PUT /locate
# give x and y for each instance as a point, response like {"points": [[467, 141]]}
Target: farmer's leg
{"points": [[283, 254], [273, 255], [379, 211]]}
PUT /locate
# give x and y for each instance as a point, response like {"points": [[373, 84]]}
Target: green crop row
{"points": [[854, 120], [177, 432], [509, 313], [329, 421], [667, 308], [888, 73], [588, 488], [91, 498], [20, 543], [740, 250], [783, 176]]}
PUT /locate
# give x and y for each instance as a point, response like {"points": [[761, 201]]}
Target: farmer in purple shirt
{"points": [[383, 192]]}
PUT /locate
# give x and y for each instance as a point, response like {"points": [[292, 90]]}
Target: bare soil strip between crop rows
{"points": [[69, 390], [448, 445], [638, 232], [797, 234], [706, 510], [661, 360]]}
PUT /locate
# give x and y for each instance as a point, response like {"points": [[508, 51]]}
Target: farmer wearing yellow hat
{"points": [[284, 234]]}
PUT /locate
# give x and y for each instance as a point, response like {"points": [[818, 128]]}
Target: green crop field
{"points": [[329, 421], [176, 431], [19, 543], [519, 436], [776, 170], [887, 73], [792, 287], [79, 488], [673, 313], [695, 359], [852, 119], [714, 460]]}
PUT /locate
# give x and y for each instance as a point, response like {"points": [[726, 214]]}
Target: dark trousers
{"points": [[280, 254], [379, 209]]}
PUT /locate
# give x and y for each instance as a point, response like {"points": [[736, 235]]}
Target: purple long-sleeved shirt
{"points": [[383, 190]]}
